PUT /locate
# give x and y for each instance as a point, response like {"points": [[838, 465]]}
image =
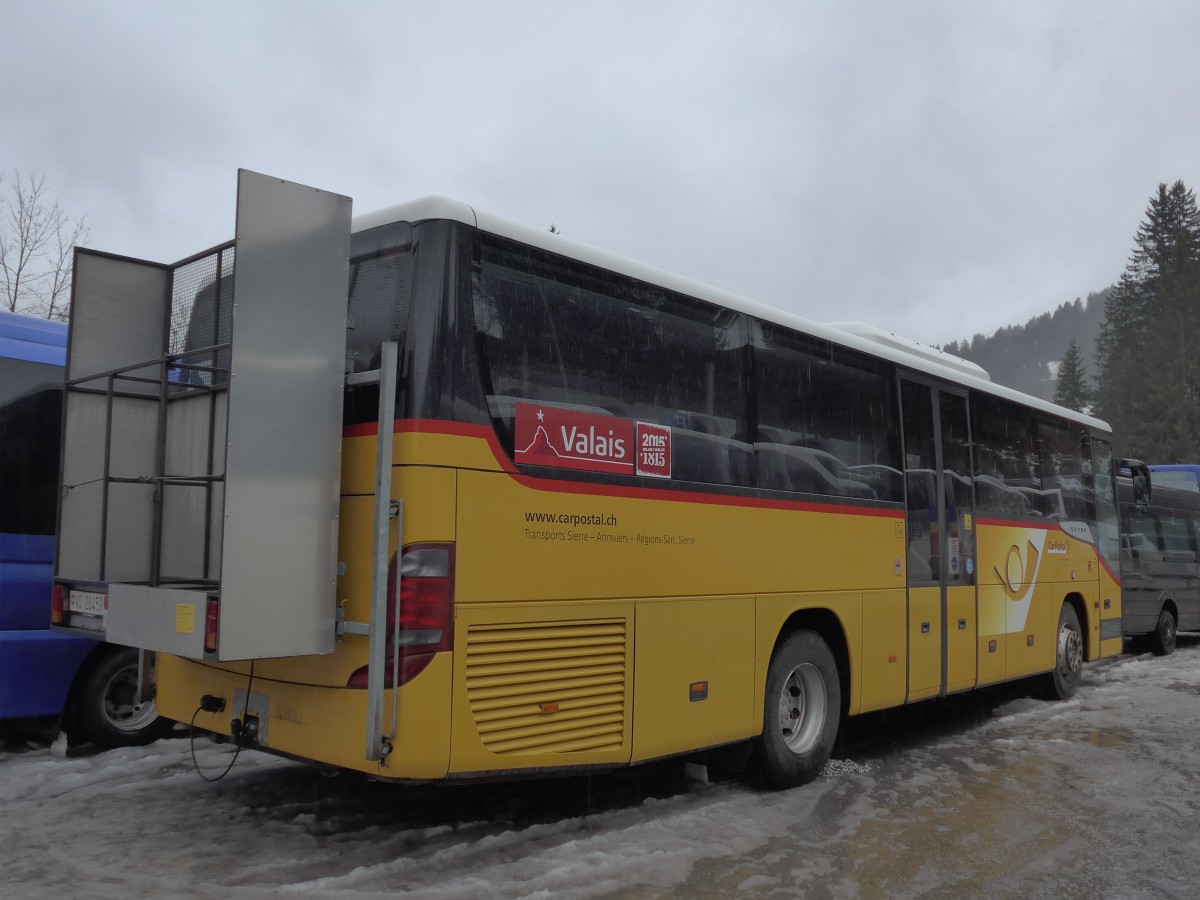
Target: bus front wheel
{"points": [[1068, 660], [801, 710]]}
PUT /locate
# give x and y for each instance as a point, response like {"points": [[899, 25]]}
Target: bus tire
{"points": [[105, 711], [1162, 639], [1062, 682], [801, 710]]}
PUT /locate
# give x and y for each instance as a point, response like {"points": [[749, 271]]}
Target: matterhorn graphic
{"points": [[573, 439], [540, 446]]}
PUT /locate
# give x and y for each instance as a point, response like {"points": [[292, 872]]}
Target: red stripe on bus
{"points": [[614, 490], [437, 426], [1018, 523]]}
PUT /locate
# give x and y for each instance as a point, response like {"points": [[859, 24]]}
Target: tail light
{"points": [[56, 605], [211, 621], [425, 613]]}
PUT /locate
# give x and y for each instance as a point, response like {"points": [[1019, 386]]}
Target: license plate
{"points": [[90, 602]]}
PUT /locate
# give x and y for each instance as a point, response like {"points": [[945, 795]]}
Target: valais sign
{"points": [[567, 439]]}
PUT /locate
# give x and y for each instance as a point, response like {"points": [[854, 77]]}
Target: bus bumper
{"points": [[319, 723]]}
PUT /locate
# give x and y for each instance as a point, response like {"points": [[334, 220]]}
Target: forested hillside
{"points": [[1026, 356], [1132, 351]]}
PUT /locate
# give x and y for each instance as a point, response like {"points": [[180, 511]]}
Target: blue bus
{"points": [[1160, 563], [1185, 476], [49, 680]]}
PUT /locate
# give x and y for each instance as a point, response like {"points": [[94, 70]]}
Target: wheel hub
{"points": [[802, 708], [122, 706], [1070, 649]]}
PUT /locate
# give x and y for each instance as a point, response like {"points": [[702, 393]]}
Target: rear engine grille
{"points": [[548, 687]]}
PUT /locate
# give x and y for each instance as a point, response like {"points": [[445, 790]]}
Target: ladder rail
{"points": [[379, 742]]}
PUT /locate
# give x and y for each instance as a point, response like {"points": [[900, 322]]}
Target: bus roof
{"points": [[32, 339], [865, 338]]}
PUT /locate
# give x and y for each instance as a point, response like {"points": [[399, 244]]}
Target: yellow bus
{"points": [[584, 513]]}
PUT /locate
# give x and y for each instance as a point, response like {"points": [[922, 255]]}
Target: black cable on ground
{"points": [[238, 741], [196, 762]]}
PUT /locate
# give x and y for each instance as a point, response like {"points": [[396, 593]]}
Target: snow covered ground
{"points": [[1098, 797]]}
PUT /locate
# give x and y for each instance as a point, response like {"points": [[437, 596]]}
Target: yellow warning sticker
{"points": [[185, 618]]}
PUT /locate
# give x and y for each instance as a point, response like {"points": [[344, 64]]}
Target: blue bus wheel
{"points": [[107, 709]]}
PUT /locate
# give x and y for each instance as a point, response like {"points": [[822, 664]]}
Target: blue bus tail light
{"points": [[426, 613]]}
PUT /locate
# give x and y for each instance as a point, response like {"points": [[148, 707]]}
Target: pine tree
{"points": [[1149, 368], [1071, 388]]}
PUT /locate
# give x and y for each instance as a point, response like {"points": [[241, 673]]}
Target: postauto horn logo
{"points": [[1013, 579]]}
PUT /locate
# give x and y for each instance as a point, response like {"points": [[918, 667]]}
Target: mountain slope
{"points": [[1026, 357]]}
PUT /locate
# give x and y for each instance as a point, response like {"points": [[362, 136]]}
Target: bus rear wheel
{"points": [[801, 711], [1162, 639], [107, 710], [1062, 683]]}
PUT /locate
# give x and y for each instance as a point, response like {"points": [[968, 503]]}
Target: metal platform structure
{"points": [[202, 438]]}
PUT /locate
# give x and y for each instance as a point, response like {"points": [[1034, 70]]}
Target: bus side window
{"points": [[1175, 534], [1142, 531], [30, 423], [827, 419], [1065, 453], [1008, 465], [562, 333]]}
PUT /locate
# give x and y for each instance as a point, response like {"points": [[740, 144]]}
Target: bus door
{"points": [[942, 620]]}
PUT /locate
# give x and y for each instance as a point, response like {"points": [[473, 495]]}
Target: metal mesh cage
{"points": [[201, 316]]}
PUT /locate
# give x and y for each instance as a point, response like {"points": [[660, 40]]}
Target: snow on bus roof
{"points": [[865, 338]]}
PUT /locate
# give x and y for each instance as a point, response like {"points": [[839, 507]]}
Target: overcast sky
{"points": [[935, 168]]}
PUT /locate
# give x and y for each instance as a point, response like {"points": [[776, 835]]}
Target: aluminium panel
{"points": [[134, 437], [81, 524], [283, 448], [183, 522], [216, 531], [189, 417], [130, 532], [118, 315], [126, 535], [169, 620], [195, 449], [79, 533]]}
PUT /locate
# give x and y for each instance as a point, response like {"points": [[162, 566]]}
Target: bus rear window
{"points": [[380, 291]]}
